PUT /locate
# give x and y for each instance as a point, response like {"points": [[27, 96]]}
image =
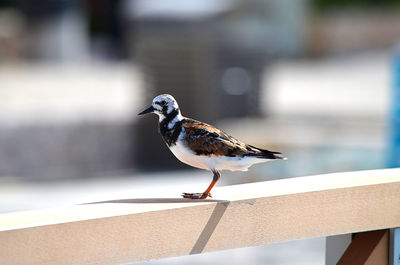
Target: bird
{"points": [[203, 146]]}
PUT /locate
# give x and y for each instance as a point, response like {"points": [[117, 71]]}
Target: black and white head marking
{"points": [[170, 118], [165, 106]]}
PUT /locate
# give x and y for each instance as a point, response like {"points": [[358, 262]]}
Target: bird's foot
{"points": [[196, 195]]}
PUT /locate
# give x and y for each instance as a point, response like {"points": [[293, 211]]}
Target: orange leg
{"points": [[207, 192]]}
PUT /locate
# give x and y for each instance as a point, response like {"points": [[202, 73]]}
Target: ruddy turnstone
{"points": [[203, 146]]}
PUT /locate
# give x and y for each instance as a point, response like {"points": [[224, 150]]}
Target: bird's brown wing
{"points": [[207, 140]]}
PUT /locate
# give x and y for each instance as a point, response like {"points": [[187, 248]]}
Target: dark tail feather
{"points": [[263, 153]]}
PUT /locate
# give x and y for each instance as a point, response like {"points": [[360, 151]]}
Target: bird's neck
{"points": [[170, 126], [169, 119]]}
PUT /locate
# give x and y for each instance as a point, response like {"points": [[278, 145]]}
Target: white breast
{"points": [[187, 156]]}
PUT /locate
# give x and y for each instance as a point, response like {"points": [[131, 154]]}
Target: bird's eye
{"points": [[161, 103]]}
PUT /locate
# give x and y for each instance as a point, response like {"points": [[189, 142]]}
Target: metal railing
{"points": [[121, 231]]}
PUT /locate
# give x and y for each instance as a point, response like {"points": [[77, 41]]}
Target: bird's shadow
{"points": [[207, 231], [156, 200]]}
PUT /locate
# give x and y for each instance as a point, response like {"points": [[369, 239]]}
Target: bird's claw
{"points": [[196, 195]]}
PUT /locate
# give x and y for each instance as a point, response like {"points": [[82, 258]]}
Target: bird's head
{"points": [[162, 105]]}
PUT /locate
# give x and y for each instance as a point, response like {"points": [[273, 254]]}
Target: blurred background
{"points": [[318, 80]]}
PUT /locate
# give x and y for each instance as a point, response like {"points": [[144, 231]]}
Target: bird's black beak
{"points": [[148, 110]]}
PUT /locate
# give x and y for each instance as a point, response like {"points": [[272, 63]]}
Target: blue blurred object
{"points": [[394, 118]]}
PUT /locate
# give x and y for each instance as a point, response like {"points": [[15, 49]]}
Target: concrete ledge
{"points": [[120, 231]]}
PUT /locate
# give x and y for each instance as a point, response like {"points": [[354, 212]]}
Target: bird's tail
{"points": [[263, 153]]}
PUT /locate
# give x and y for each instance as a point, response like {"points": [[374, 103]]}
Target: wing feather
{"points": [[207, 140]]}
